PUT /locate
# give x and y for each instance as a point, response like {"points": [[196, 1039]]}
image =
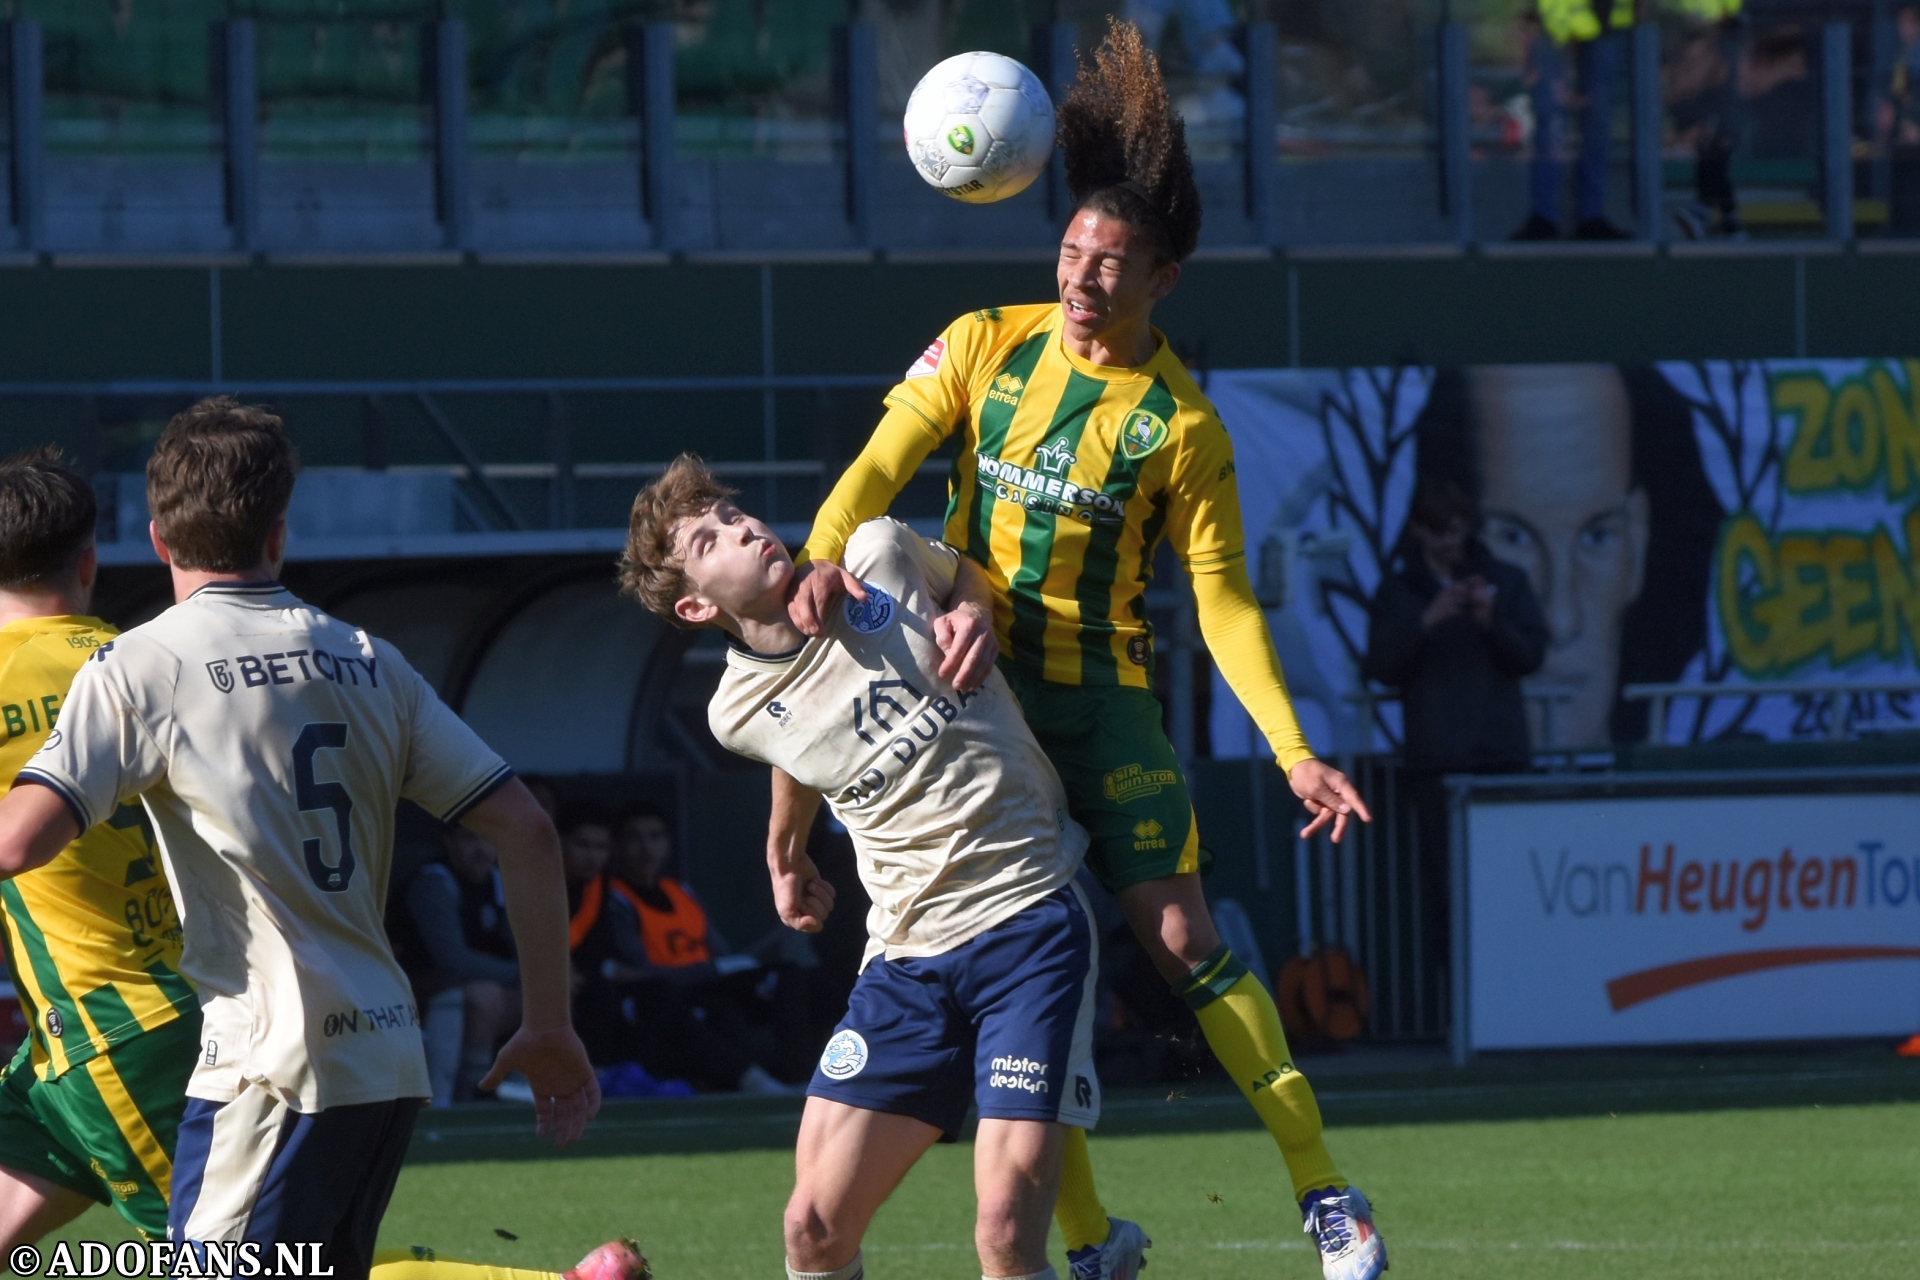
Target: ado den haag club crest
{"points": [[872, 614], [1144, 432]]}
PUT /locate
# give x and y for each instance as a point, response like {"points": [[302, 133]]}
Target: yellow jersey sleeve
{"points": [[923, 409], [939, 385], [1203, 500], [1235, 629], [1203, 523], [869, 485]]}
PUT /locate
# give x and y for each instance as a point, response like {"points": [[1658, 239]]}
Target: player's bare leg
{"points": [[1016, 1175], [846, 1163], [30, 1206]]}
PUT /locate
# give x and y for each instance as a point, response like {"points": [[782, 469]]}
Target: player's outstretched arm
{"points": [[35, 825], [802, 897], [545, 1049], [1235, 629], [965, 631]]}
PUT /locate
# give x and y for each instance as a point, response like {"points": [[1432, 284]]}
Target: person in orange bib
{"points": [[658, 983]]}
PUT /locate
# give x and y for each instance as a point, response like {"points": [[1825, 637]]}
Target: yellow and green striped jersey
{"points": [[1069, 475], [93, 940]]}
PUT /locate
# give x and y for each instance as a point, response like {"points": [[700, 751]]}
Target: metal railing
{"points": [[483, 501], [659, 188], [1364, 895]]}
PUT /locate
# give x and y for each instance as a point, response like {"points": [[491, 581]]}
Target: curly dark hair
{"points": [[1125, 149]]}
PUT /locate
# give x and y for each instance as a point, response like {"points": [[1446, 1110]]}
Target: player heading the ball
{"points": [[978, 980], [1084, 444], [270, 744]]}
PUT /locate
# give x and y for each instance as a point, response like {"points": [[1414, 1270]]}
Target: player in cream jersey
{"points": [[958, 820], [270, 744], [979, 978]]}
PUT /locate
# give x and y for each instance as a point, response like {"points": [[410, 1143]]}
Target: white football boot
{"points": [[1120, 1258], [1341, 1224]]}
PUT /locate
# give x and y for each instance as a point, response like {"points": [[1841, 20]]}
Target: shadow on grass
{"points": [[1521, 1087]]}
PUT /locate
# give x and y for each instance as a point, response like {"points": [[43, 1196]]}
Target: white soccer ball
{"points": [[979, 127]]}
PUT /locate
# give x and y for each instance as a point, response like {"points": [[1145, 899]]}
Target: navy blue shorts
{"points": [[255, 1170], [1005, 1021]]}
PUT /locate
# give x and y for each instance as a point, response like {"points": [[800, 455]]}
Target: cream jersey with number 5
{"points": [[270, 744], [957, 818]]}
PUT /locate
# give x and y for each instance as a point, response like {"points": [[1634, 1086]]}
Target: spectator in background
{"points": [[657, 1007], [459, 923], [1586, 36], [684, 986], [586, 843], [1454, 630]]}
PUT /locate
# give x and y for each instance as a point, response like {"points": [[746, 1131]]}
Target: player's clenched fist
{"points": [[801, 896]]}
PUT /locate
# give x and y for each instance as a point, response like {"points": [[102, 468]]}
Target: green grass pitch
{"points": [[1780, 1191]]}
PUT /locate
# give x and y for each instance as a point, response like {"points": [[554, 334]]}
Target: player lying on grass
{"points": [[979, 975], [270, 744], [1084, 444]]}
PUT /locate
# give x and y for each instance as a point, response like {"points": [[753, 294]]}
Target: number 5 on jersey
{"points": [[315, 796]]}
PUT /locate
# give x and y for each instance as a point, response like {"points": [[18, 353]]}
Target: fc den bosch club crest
{"points": [[221, 673], [872, 614], [1143, 433]]}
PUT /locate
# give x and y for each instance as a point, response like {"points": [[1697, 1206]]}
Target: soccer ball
{"points": [[979, 127]]}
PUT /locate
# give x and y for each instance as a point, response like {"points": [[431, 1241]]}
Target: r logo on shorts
{"points": [[845, 1055]]}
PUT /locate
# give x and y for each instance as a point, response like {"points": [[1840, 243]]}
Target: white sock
{"points": [[1047, 1274], [852, 1271]]}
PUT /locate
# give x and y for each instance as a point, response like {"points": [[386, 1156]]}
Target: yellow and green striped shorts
{"points": [[106, 1127], [1124, 784]]}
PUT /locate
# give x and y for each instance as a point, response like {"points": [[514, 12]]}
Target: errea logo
{"points": [[1007, 388], [1147, 835]]}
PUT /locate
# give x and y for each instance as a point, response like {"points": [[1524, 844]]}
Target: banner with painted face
{"points": [[1733, 523]]}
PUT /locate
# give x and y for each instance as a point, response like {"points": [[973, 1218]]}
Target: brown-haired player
{"points": [[1084, 445], [979, 977], [269, 744]]}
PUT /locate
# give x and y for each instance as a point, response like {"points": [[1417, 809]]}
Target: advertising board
{"points": [[1623, 919]]}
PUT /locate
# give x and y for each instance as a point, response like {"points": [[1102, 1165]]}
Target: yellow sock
{"points": [[422, 1263], [1082, 1218], [1242, 1027]]}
